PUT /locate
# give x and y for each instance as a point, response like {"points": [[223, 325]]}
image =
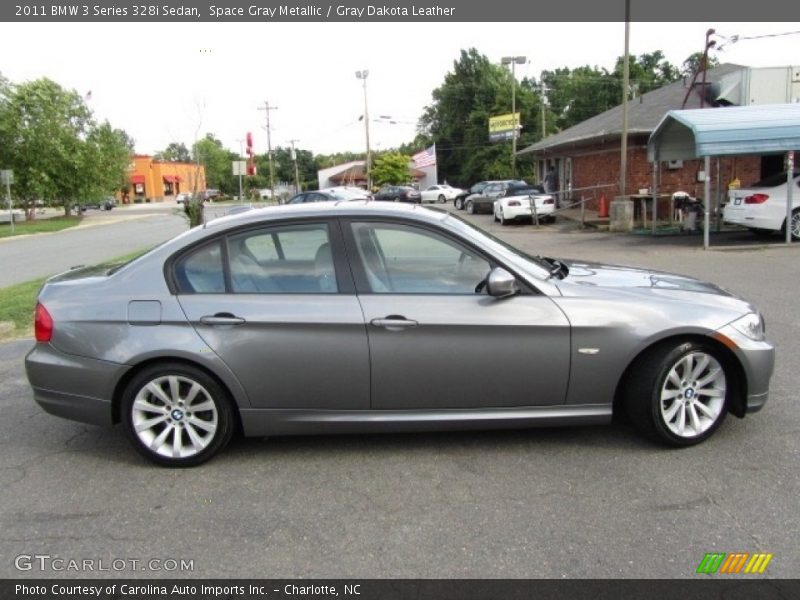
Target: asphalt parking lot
{"points": [[548, 503]]}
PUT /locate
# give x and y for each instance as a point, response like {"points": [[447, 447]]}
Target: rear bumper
{"points": [[73, 387], [524, 212]]}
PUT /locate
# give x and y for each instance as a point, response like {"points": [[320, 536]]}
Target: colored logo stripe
{"points": [[733, 563]]}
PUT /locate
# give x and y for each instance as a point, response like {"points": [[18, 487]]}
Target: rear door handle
{"points": [[221, 319], [394, 323]]}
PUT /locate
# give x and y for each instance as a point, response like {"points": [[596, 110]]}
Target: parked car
{"points": [[483, 201], [106, 203], [762, 206], [209, 195], [458, 201], [439, 193], [398, 193], [350, 192], [321, 196], [311, 319], [183, 197], [515, 204]]}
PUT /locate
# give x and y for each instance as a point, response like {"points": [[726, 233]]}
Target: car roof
{"points": [[341, 208]]}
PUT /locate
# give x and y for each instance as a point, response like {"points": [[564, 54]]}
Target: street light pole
{"points": [[241, 155], [362, 75], [268, 108], [513, 61]]}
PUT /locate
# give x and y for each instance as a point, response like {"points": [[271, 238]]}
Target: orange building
{"points": [[152, 180]]}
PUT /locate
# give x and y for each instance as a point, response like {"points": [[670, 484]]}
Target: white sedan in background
{"points": [[515, 204], [762, 206], [440, 193]]}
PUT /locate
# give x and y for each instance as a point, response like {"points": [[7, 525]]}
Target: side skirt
{"points": [[262, 422]]}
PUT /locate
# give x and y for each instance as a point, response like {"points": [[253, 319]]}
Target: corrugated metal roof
{"points": [[726, 131], [644, 114]]}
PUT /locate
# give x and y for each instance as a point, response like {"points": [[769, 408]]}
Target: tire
{"points": [[795, 224], [158, 416], [459, 203], [495, 217], [470, 208], [442, 199], [668, 406], [503, 220]]}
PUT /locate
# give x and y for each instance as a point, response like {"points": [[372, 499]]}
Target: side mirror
{"points": [[501, 284]]}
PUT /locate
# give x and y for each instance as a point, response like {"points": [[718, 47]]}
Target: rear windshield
{"points": [[773, 180]]}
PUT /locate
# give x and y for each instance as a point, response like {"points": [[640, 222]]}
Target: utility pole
{"points": [[626, 75], [362, 75], [513, 61], [266, 108], [297, 189]]}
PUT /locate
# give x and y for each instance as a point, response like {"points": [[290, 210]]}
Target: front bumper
{"points": [[73, 387], [758, 363]]}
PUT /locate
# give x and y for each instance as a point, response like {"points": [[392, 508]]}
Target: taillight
{"points": [[549, 201], [42, 324], [514, 203], [756, 199]]}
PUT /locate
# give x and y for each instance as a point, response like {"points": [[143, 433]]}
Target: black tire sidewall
{"points": [[643, 393], [225, 420]]}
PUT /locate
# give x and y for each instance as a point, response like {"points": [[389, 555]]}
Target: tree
{"points": [[217, 163], [57, 151], [391, 168], [693, 62], [175, 152], [458, 119]]}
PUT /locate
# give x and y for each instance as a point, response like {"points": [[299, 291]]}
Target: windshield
{"points": [[486, 240]]}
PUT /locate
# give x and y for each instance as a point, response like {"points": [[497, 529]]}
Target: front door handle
{"points": [[394, 323], [221, 319]]}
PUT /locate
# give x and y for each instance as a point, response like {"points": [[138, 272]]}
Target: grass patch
{"points": [[38, 226], [18, 301], [16, 308]]}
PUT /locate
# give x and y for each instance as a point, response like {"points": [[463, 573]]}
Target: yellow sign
{"points": [[503, 127], [500, 123]]}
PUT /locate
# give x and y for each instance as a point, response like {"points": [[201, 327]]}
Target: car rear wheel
{"points": [[442, 199], [795, 224], [470, 208], [459, 203], [176, 415], [678, 393], [503, 220]]}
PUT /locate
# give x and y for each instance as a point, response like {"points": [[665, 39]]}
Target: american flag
{"points": [[426, 158]]}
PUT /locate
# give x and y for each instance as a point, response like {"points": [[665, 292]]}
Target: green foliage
{"points": [[218, 164], [175, 152], [692, 64], [391, 168], [57, 151], [193, 209], [458, 119]]}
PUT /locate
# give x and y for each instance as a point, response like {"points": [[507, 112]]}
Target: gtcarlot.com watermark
{"points": [[59, 564]]}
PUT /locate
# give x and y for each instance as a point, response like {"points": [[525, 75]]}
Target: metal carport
{"points": [[728, 131]]}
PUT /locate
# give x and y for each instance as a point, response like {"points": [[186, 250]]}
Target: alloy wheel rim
{"points": [[174, 416], [796, 225], [693, 395]]}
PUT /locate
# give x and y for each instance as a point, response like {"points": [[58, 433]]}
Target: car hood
{"points": [[582, 273]]}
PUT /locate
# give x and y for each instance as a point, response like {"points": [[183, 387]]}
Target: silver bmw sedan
{"points": [[365, 317]]}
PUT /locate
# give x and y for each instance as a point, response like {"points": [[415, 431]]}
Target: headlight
{"points": [[751, 325]]}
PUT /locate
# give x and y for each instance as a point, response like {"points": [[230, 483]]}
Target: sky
{"points": [[175, 82]]}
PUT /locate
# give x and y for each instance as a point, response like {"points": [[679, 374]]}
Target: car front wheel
{"points": [[678, 393], [470, 208], [442, 199], [459, 203], [176, 415]]}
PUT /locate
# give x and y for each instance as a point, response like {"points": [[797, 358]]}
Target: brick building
{"points": [[587, 155]]}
